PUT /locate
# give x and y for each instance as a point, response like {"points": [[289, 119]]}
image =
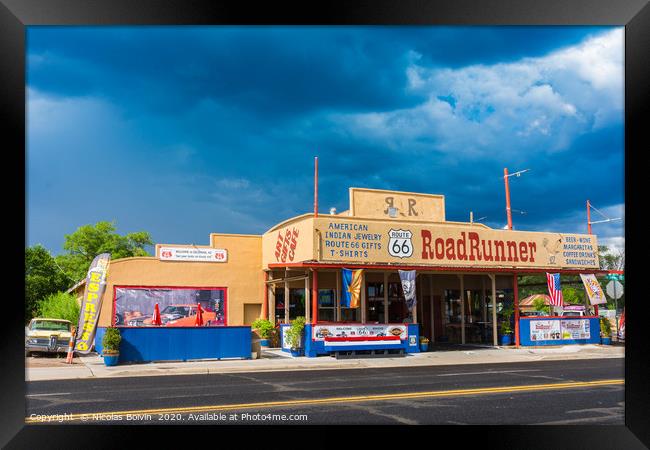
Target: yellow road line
{"points": [[361, 398]]}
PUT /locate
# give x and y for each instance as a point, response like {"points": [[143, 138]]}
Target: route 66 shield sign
{"points": [[400, 244]]}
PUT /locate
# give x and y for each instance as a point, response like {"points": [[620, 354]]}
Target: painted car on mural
{"points": [[47, 335], [183, 315]]}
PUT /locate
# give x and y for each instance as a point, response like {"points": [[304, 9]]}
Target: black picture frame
{"points": [[15, 15]]}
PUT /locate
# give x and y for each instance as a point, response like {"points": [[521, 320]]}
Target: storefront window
{"points": [[134, 307], [296, 304], [326, 305], [375, 298]]}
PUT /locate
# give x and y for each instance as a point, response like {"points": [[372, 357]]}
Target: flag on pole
{"points": [[407, 277], [594, 291], [554, 289], [351, 288]]}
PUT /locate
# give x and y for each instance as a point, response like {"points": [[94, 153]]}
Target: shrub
{"points": [[60, 306], [294, 333], [111, 340], [424, 340], [264, 327]]}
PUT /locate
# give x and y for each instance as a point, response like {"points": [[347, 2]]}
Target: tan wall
{"points": [[242, 275]]}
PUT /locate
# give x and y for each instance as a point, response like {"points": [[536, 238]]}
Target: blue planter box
{"points": [[506, 339], [297, 352], [181, 343], [606, 341], [111, 360], [264, 342]]}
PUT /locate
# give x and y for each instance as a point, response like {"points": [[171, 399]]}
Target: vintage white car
{"points": [[47, 335]]}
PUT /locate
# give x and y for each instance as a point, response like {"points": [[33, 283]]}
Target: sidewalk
{"points": [[275, 360]]}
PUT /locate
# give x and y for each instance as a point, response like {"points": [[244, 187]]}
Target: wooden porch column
{"points": [[363, 297], [417, 300], [494, 309], [286, 301], [338, 295], [271, 289], [516, 299], [483, 304], [307, 298], [314, 296], [462, 309], [385, 297]]}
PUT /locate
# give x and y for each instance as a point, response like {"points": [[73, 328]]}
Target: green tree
{"points": [[42, 278], [90, 240], [539, 305], [573, 296], [611, 260], [60, 306]]}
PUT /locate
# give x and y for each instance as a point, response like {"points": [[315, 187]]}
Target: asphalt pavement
{"points": [[585, 391]]}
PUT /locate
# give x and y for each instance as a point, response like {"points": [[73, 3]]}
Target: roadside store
{"points": [[466, 275]]}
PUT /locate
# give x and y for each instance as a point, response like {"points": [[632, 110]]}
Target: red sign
{"points": [[285, 247]]}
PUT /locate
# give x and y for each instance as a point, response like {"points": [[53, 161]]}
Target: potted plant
{"points": [[605, 331], [294, 336], [111, 346], [264, 328], [506, 331], [505, 328], [424, 344]]}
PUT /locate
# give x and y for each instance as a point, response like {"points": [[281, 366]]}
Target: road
{"points": [[587, 391]]}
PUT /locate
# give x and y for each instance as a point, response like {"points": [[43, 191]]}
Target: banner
{"points": [[351, 288], [136, 306], [594, 291], [407, 277], [91, 303]]}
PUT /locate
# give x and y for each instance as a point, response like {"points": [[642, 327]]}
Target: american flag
{"points": [[554, 289]]}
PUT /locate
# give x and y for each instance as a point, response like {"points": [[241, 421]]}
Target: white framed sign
{"points": [[575, 329], [545, 330], [193, 254]]}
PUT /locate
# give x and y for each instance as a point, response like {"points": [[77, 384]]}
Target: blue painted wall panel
{"points": [[173, 344], [524, 333]]}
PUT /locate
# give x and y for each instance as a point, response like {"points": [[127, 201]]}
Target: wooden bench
{"points": [[364, 346]]}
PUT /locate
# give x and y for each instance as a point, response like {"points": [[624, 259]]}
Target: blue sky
{"points": [[184, 131]]}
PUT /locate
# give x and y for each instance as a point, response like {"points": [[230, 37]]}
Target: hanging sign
{"points": [[594, 291], [193, 254]]}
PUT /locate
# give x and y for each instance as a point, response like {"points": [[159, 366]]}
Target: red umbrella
{"points": [[199, 316], [155, 320]]}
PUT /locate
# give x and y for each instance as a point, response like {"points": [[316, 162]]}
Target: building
{"points": [[466, 273]]}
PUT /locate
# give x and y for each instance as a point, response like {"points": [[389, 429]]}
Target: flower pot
{"points": [[506, 339], [606, 340], [424, 347], [296, 352], [111, 360], [264, 342]]}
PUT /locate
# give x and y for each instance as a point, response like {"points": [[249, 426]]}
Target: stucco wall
{"points": [[242, 275]]}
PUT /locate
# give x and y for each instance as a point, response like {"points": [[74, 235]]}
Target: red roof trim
{"points": [[318, 265]]}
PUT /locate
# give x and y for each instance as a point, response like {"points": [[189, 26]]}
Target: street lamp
{"points": [[505, 180]]}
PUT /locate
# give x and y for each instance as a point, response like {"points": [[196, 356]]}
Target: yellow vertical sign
{"points": [[92, 301]]}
